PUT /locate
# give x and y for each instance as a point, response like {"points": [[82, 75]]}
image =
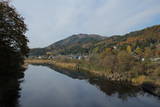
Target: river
{"points": [[45, 87]]}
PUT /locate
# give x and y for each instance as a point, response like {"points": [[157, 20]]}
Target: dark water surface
{"points": [[44, 87]]}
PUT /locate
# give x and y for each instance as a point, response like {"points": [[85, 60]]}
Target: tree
{"points": [[107, 51], [129, 49], [139, 52], [95, 50], [148, 52], [125, 61], [109, 62], [13, 42]]}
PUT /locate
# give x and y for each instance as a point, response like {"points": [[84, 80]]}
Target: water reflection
{"points": [[10, 90], [122, 89], [44, 87]]}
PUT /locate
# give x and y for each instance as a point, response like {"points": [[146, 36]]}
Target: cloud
{"points": [[52, 20]]}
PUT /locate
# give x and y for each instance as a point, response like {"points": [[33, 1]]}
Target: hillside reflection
{"points": [[123, 89], [10, 90]]}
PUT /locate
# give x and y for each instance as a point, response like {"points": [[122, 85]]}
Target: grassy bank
{"points": [[79, 66], [63, 65]]}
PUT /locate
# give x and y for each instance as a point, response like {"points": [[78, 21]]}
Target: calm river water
{"points": [[44, 87]]}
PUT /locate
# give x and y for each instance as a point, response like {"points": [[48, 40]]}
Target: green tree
{"points": [[95, 50], [13, 42]]}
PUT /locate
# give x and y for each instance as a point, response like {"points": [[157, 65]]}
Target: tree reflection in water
{"points": [[123, 89], [10, 89]]}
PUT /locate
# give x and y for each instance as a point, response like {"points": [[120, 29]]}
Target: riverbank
{"points": [[146, 84], [76, 67]]}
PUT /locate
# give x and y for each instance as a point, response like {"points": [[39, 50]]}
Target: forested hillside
{"points": [[75, 44], [148, 37]]}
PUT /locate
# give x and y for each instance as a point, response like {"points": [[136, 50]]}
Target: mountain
{"points": [[88, 43], [75, 44]]}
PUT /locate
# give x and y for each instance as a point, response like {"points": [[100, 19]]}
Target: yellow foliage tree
{"points": [[129, 49], [139, 51], [106, 52]]}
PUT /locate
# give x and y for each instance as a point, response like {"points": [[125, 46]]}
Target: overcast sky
{"points": [[52, 20]]}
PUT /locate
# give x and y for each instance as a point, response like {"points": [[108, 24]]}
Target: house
{"points": [[77, 57], [143, 59], [114, 47], [39, 57]]}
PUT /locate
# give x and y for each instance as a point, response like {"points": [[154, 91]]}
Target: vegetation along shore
{"points": [[143, 82]]}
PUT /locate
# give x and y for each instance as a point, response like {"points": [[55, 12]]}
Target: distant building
{"points": [[79, 57], [39, 57], [114, 47], [51, 57], [143, 59]]}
